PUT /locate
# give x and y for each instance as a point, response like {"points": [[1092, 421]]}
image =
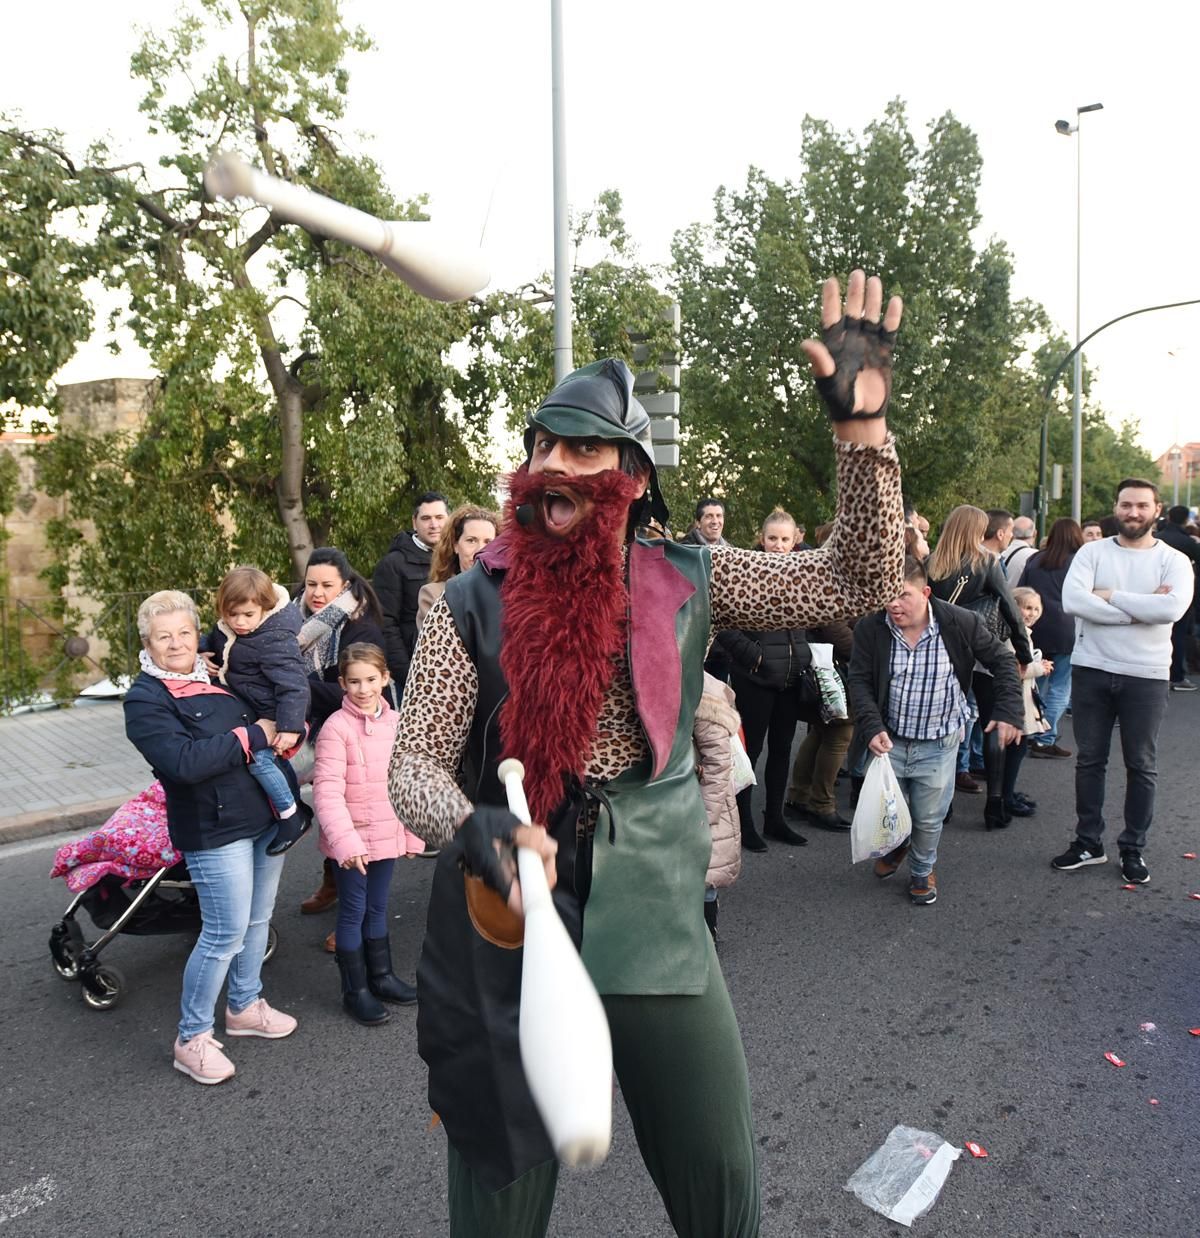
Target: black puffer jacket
{"points": [[769, 659], [987, 578], [398, 578], [264, 667]]}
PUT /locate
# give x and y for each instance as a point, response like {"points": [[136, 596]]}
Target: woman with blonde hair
{"points": [[467, 531], [962, 571]]}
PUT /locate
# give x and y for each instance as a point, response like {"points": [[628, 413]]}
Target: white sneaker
{"points": [[201, 1059]]}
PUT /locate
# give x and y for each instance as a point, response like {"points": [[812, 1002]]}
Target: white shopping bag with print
{"points": [[881, 820]]}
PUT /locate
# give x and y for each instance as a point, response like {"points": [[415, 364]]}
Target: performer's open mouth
{"points": [[559, 510]]}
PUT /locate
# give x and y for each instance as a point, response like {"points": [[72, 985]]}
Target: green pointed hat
{"points": [[597, 401]]}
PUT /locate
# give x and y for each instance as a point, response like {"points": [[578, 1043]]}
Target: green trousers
{"points": [[682, 1071]]}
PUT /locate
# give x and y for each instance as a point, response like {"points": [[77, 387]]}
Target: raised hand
{"points": [[852, 360]]}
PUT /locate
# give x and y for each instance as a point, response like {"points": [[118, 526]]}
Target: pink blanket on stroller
{"points": [[133, 843]]}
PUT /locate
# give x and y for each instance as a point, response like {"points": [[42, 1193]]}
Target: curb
{"points": [[40, 824]]}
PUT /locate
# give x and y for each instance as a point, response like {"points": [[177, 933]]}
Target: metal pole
{"points": [[563, 363], [1176, 457], [1077, 395]]}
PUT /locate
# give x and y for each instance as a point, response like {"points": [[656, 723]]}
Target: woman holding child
{"points": [[199, 739]]}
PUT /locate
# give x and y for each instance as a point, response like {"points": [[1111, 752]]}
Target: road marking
{"points": [[27, 1198]]}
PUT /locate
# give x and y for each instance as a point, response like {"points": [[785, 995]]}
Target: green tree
{"points": [[749, 286], [304, 394]]}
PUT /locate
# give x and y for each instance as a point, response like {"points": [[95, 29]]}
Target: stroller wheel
{"points": [[272, 942], [65, 962], [102, 986]]}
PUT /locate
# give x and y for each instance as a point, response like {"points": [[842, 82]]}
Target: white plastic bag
{"points": [[833, 691], [881, 820], [742, 772], [902, 1179]]}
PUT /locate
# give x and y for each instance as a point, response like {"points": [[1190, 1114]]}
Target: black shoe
{"points": [[1019, 797], [752, 840], [380, 980], [793, 808], [829, 820], [1079, 855], [1018, 807], [1183, 685], [781, 832], [358, 1000], [994, 817], [291, 829], [1133, 868]]}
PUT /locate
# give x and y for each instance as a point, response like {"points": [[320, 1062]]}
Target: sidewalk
{"points": [[62, 769]]}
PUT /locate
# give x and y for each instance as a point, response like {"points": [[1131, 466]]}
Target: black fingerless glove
{"points": [[855, 345], [477, 836]]}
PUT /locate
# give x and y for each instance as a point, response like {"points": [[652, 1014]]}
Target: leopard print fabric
{"points": [[859, 568]]}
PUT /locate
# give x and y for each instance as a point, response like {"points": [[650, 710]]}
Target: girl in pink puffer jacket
{"points": [[360, 831]]}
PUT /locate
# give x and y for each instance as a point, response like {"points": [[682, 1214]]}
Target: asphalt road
{"points": [[985, 1017]]}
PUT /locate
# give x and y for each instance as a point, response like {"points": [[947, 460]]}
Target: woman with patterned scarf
{"points": [[339, 609]]}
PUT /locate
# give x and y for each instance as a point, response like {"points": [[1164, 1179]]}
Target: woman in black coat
{"points": [[765, 674], [963, 572], [339, 609], [198, 739]]}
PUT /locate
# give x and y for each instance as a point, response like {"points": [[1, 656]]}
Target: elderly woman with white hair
{"points": [[198, 739]]}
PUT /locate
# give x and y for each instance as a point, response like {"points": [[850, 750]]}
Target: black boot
{"points": [[291, 830], [856, 785], [710, 917], [359, 1002], [751, 838], [777, 828], [994, 816], [381, 982]]}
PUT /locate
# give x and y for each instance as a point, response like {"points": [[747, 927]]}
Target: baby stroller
{"points": [[129, 879]]}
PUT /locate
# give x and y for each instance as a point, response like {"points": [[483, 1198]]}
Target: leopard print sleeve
{"points": [[858, 570], [431, 735]]}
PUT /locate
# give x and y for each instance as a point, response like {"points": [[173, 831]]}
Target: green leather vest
{"points": [[643, 923]]}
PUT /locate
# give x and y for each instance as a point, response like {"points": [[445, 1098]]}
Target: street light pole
{"points": [[563, 363], [1067, 129]]}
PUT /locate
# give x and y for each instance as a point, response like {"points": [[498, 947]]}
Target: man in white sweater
{"points": [[1125, 593]]}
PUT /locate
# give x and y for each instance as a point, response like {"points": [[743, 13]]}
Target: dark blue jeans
{"points": [[362, 903], [1098, 699]]}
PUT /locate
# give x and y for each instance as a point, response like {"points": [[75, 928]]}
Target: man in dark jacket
{"points": [[909, 677], [1171, 531], [399, 576]]}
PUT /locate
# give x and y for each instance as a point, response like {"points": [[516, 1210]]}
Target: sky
{"points": [[666, 101]]}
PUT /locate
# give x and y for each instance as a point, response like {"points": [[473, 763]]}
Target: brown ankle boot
{"points": [[325, 895]]}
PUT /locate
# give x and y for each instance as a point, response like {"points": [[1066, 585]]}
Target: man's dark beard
{"points": [[1134, 530], [564, 624]]}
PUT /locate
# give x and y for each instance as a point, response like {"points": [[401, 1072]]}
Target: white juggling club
{"points": [[437, 272], [566, 1049]]}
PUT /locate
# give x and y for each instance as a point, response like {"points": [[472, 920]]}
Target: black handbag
{"points": [[986, 606]]}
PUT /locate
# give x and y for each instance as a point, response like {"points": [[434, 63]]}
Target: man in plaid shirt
{"points": [[909, 677]]}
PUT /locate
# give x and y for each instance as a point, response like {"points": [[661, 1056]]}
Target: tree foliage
{"points": [[304, 394]]}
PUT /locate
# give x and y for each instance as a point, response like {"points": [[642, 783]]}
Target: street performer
{"points": [[578, 649]]}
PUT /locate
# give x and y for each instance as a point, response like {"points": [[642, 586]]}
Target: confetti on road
{"points": [[1153, 1101], [1147, 1027], [1112, 1057], [1194, 1031], [1195, 896], [1189, 855], [1130, 886], [981, 1153]]}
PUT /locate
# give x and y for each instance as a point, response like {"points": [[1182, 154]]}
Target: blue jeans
{"points": [[1055, 692], [362, 903], [236, 885], [970, 753], [1100, 699], [925, 770], [265, 770]]}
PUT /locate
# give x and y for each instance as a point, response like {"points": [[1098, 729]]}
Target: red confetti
{"points": [[978, 1152], [1189, 855], [1153, 1101], [1112, 1057], [1195, 896], [1195, 1031], [1131, 886]]}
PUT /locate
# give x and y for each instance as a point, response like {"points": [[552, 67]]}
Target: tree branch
{"points": [[271, 225]]}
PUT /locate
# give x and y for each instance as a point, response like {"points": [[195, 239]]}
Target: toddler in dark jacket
{"points": [[258, 657]]}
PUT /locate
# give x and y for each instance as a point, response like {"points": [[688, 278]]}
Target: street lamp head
{"points": [[1064, 127], [1090, 107]]}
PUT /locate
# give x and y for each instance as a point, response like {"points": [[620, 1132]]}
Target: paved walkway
{"points": [[65, 767]]}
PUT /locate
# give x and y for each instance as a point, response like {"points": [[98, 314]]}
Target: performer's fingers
{"points": [[895, 310], [819, 358], [856, 294], [831, 301], [874, 302]]}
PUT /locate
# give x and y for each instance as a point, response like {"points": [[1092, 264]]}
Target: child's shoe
{"points": [[291, 830], [201, 1059]]}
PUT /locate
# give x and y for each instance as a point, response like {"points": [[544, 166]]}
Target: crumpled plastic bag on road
{"points": [[902, 1179]]}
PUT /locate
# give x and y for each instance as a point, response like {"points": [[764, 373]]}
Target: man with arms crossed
{"points": [[1125, 593]]}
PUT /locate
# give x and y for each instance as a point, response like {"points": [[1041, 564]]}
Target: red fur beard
{"points": [[565, 623]]}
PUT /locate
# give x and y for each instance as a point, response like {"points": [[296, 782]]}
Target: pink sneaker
{"points": [[258, 1019], [201, 1059]]}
